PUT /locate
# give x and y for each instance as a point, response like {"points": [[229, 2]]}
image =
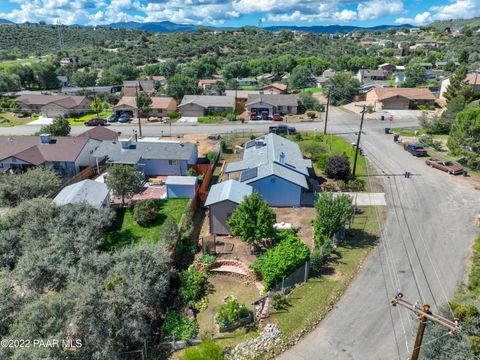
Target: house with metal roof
{"points": [[273, 166], [203, 105], [222, 200], [92, 192], [152, 158], [272, 104]]}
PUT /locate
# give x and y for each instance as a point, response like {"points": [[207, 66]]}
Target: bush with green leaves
{"points": [[212, 156], [320, 255], [282, 259], [207, 259], [145, 212], [338, 167], [178, 327], [230, 312], [192, 286], [175, 115], [208, 350], [333, 212]]}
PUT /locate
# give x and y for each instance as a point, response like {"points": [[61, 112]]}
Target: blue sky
{"points": [[240, 12]]}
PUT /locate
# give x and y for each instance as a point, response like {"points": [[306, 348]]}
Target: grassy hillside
{"points": [[456, 24]]}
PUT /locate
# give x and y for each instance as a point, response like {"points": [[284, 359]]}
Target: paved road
{"points": [[428, 236], [336, 124]]}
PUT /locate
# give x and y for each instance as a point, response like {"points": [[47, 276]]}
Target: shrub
{"points": [[356, 184], [322, 161], [192, 286], [281, 260], [338, 167], [223, 145], [333, 212], [319, 257], [145, 212], [311, 114], [230, 312], [280, 301], [174, 115], [192, 172], [178, 327], [231, 116], [208, 350], [211, 156], [207, 259]]}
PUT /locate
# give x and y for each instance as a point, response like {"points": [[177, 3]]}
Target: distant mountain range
{"points": [[169, 27]]}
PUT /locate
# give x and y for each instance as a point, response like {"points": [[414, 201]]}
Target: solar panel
{"points": [[250, 144], [248, 174]]}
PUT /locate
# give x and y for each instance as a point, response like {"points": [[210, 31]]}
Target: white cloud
{"points": [[374, 9], [458, 9], [345, 15]]}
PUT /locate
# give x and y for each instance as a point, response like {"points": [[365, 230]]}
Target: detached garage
{"points": [[181, 186]]}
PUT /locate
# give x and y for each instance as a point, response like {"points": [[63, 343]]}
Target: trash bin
{"points": [[395, 137], [387, 131]]}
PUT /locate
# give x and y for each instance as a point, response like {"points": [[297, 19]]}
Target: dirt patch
{"points": [[204, 144], [299, 218]]}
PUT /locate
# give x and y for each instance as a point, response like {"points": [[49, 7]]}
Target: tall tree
{"points": [[300, 77], [333, 212], [84, 78], [414, 75], [344, 88], [124, 181], [456, 83], [464, 136], [179, 86], [144, 104], [59, 127], [253, 219]]}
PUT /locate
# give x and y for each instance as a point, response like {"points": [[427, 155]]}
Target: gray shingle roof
{"points": [[208, 101], [90, 191], [144, 150], [273, 155], [231, 190], [272, 99]]}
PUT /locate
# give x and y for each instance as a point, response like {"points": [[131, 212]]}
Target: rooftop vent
{"points": [[45, 138]]}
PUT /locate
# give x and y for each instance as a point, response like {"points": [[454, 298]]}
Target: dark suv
{"points": [[415, 149]]}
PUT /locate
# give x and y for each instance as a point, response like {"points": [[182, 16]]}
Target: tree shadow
{"points": [[359, 238]]}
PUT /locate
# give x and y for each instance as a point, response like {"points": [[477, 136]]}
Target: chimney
{"points": [[281, 159], [45, 138], [126, 143]]}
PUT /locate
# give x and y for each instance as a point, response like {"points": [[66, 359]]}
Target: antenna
{"points": [[60, 34]]}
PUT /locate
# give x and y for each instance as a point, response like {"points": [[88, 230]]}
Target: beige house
{"points": [[399, 98], [55, 105], [275, 88], [161, 106], [203, 105]]}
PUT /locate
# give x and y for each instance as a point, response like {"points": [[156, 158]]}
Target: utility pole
{"points": [[326, 110], [357, 147], [423, 314], [138, 109]]}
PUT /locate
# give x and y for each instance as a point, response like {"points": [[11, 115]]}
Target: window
{"points": [[172, 162]]}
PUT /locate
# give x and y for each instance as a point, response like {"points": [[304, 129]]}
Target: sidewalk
{"points": [[366, 199]]}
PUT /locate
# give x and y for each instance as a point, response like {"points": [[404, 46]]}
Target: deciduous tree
{"points": [[124, 181]]}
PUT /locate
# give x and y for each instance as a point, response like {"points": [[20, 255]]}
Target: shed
{"points": [[92, 192], [181, 186], [222, 200]]}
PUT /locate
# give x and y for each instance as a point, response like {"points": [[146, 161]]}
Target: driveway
{"points": [[426, 242]]}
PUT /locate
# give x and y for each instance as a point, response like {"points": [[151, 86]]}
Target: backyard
{"points": [[125, 230]]}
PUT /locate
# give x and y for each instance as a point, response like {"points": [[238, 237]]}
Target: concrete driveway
{"points": [[426, 242]]}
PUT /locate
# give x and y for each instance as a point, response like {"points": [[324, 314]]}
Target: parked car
{"points": [[282, 129], [124, 117], [113, 118], [295, 91], [253, 116], [264, 115], [415, 149], [446, 166], [277, 117], [95, 122]]}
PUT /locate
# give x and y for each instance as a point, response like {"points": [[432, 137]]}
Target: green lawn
{"points": [[125, 230], [313, 90], [79, 120], [210, 120], [12, 119], [4, 65]]}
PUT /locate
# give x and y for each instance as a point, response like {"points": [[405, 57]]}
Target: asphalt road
{"points": [[423, 251], [426, 241]]}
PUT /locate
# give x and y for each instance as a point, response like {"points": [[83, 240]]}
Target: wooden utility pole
{"points": [[326, 110], [357, 147], [423, 314], [138, 110]]}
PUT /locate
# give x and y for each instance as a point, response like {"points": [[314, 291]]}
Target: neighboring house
{"points": [[203, 105], [161, 106], [471, 79], [131, 87], [63, 80], [431, 75], [181, 186], [71, 60], [246, 81], [207, 84], [388, 68], [100, 133], [400, 98], [65, 155], [426, 65], [152, 158], [222, 200], [55, 105], [267, 77], [328, 73], [159, 80], [241, 97], [400, 79], [320, 81], [371, 75], [272, 104], [273, 166], [366, 87], [89, 191], [275, 88]]}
